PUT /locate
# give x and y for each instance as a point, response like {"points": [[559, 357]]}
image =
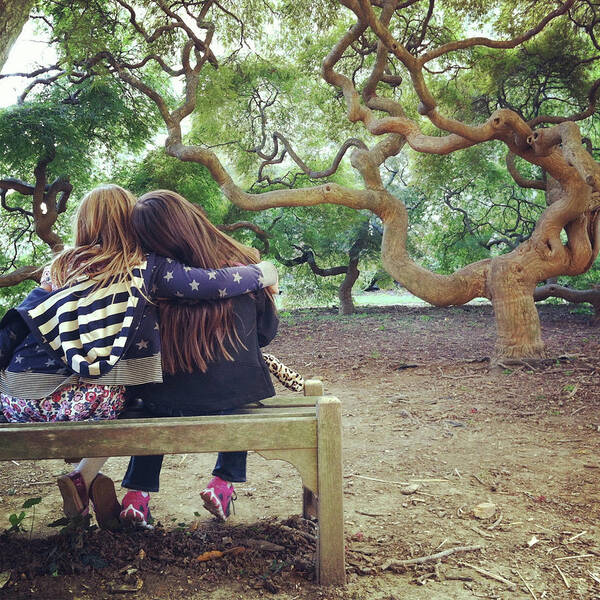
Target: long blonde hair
{"points": [[105, 246]]}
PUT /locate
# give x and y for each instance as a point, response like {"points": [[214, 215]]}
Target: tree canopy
{"points": [[489, 106]]}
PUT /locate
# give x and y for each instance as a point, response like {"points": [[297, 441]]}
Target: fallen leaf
{"points": [[210, 555], [124, 589], [235, 551], [264, 545], [4, 578]]}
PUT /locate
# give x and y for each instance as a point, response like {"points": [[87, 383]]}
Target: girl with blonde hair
{"points": [[70, 348]]}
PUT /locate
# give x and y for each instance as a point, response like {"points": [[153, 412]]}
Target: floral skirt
{"points": [[73, 402]]}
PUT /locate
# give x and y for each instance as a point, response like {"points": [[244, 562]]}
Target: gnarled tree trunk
{"points": [[13, 16], [573, 189], [345, 290]]}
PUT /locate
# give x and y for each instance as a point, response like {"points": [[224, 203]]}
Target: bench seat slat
{"points": [[157, 436]]}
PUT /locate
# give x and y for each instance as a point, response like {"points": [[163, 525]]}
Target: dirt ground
{"points": [[429, 435]]}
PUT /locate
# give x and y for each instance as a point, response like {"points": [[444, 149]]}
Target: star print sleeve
{"points": [[11, 335], [172, 279]]}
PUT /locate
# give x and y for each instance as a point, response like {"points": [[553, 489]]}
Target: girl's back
{"points": [[225, 384]]}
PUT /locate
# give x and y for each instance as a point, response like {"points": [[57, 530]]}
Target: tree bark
{"points": [[345, 290], [552, 289], [13, 16], [519, 333]]}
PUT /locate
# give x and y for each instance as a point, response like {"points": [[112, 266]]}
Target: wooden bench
{"points": [[304, 431]]}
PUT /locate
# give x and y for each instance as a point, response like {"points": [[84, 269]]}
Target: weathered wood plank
{"points": [[292, 411], [303, 459], [119, 422], [313, 387], [157, 436], [283, 402], [330, 547]]}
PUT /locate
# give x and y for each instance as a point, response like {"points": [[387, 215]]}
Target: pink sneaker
{"points": [[218, 498], [135, 510]]}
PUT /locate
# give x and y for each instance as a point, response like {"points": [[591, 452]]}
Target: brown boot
{"points": [[106, 506]]}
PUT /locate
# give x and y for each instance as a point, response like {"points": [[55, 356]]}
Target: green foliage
{"points": [[158, 171], [83, 128], [468, 207], [11, 296], [100, 122]]}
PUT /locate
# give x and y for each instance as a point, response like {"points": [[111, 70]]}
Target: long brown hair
{"points": [[104, 244], [166, 223]]}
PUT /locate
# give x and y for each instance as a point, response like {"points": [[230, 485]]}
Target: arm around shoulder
{"points": [[172, 279]]}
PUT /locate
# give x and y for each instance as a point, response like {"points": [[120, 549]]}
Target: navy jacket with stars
{"points": [[108, 335], [226, 384]]}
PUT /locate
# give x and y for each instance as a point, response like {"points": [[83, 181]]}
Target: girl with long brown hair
{"points": [[215, 368], [68, 351]]}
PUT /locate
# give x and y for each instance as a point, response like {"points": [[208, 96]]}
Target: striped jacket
{"points": [[109, 336]]}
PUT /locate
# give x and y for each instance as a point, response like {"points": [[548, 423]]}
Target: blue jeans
{"points": [[143, 472]]}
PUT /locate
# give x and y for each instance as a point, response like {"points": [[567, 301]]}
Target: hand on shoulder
{"points": [[269, 273]]}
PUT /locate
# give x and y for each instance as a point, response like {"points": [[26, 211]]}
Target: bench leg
{"points": [[309, 504], [330, 547]]}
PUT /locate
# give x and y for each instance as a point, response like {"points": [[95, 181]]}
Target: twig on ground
{"points": [[309, 536], [563, 576], [574, 537], [482, 533], [475, 476], [381, 480], [398, 482], [528, 365], [574, 556], [527, 586], [511, 584], [594, 576], [370, 514], [496, 522], [432, 557]]}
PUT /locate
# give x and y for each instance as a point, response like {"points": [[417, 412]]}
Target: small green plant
{"points": [[381, 328], [568, 388], [375, 354], [425, 317], [16, 520], [582, 310], [507, 371]]}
